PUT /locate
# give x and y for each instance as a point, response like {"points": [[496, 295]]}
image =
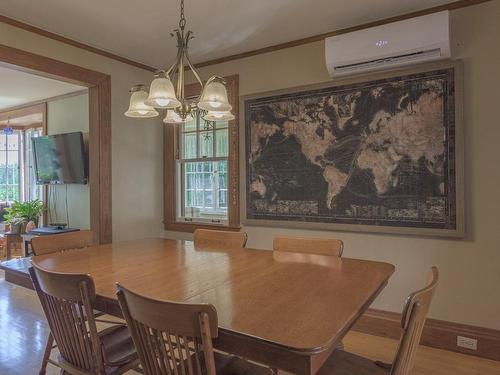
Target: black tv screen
{"points": [[60, 159]]}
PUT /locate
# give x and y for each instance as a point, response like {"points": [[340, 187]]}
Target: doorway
{"points": [[99, 115]]}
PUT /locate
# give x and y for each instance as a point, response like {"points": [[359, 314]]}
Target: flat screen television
{"points": [[60, 159]]}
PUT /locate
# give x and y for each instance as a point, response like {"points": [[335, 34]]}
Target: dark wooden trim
{"points": [[170, 155], [233, 83], [316, 38], [100, 161], [99, 85], [45, 190], [437, 333], [169, 171], [191, 227], [26, 110], [71, 42], [47, 67]]}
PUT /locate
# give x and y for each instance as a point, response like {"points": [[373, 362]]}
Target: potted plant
{"points": [[19, 214]]}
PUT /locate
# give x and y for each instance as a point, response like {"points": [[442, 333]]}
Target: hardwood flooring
{"points": [[23, 333]]}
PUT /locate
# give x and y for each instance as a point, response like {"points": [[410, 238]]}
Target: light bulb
{"points": [[162, 102], [214, 96]]}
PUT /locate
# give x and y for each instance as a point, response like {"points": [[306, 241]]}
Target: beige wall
{"points": [[470, 268], [136, 144], [68, 115]]}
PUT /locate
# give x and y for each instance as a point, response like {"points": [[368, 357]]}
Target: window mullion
{"points": [[216, 187], [198, 146], [214, 140]]}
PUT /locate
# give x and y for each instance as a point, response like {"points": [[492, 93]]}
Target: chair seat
{"points": [[345, 363], [117, 345], [232, 365]]}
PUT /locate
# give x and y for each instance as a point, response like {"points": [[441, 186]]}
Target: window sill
{"points": [[191, 227]]}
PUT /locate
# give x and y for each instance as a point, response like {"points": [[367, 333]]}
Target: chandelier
{"points": [[212, 104]]}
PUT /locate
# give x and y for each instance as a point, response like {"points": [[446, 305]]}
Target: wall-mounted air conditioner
{"points": [[411, 41]]}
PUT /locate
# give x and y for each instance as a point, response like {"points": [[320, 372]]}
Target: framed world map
{"points": [[379, 155]]}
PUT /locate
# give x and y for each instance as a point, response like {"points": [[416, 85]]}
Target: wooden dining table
{"points": [[285, 310]]}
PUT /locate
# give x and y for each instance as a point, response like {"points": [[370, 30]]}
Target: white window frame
{"points": [[219, 216]]}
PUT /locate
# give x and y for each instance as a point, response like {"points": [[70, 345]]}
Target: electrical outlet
{"points": [[467, 343]]}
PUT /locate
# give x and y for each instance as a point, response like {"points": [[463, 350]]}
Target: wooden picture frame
{"points": [[457, 138]]}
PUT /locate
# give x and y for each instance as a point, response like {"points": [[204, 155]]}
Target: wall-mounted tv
{"points": [[60, 159]]}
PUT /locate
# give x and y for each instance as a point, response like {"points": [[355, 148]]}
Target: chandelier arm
{"points": [[180, 76], [175, 64], [195, 73]]}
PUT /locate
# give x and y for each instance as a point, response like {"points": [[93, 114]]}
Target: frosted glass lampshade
{"points": [[214, 97], [173, 117], [219, 116], [162, 94], [137, 107]]}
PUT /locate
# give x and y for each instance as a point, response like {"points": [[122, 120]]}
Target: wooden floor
{"points": [[23, 332]]}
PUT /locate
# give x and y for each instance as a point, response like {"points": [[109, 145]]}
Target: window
{"points": [[17, 177], [31, 189], [201, 171], [10, 156]]}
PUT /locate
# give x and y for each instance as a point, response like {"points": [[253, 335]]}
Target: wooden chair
{"points": [[219, 238], [67, 301], [42, 245], [176, 338], [315, 246], [412, 322]]}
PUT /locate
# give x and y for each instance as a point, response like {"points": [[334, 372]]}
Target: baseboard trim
{"points": [[437, 333]]}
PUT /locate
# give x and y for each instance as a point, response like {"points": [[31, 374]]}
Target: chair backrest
{"points": [[67, 301], [219, 238], [170, 338], [412, 321], [316, 246], [57, 242]]}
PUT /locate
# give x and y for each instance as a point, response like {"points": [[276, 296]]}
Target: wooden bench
{"points": [[16, 271]]}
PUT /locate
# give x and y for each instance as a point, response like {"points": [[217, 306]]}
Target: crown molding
{"points": [[315, 38], [72, 42]]}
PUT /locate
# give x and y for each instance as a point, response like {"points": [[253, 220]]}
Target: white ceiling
{"points": [[140, 30], [17, 88]]}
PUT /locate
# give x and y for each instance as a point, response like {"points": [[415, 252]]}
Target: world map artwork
{"points": [[375, 153]]}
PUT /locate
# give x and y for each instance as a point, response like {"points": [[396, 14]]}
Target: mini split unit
{"points": [[411, 41]]}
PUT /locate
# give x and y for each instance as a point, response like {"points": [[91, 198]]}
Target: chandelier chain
{"points": [[182, 21]]}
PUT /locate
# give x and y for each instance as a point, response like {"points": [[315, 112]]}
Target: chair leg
{"points": [[340, 346], [46, 355]]}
